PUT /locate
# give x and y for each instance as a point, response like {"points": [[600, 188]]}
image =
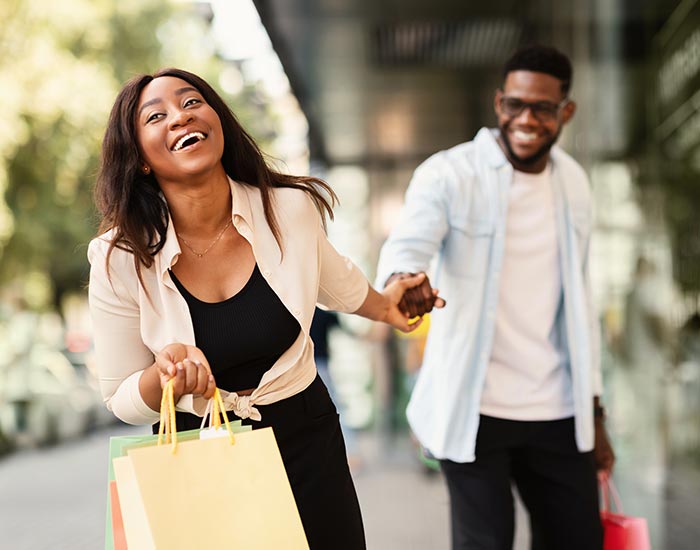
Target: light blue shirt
{"points": [[455, 212]]}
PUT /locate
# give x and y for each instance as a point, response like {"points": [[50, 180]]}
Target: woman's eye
{"points": [[154, 116], [192, 101]]}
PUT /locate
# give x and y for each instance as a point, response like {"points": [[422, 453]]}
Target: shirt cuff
{"points": [[128, 405]]}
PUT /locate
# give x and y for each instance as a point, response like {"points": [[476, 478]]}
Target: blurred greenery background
{"points": [[61, 65]]}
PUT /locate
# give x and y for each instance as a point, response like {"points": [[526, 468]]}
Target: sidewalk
{"points": [[55, 497], [404, 505]]}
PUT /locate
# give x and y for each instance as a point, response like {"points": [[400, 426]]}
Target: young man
{"points": [[510, 384]]}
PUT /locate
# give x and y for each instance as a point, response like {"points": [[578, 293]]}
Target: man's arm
{"points": [[417, 236]]}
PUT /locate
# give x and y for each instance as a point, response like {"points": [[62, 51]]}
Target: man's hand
{"points": [[602, 451], [419, 300]]}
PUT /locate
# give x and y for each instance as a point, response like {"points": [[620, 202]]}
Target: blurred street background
{"points": [[358, 93]]}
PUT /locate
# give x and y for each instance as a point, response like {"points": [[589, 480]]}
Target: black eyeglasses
{"points": [[544, 111]]}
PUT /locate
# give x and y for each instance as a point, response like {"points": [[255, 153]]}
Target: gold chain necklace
{"points": [[216, 240]]}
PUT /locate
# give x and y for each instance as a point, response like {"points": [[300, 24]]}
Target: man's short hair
{"points": [[541, 59]]}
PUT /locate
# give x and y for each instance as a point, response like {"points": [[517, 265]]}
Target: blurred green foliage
{"points": [[61, 66]]}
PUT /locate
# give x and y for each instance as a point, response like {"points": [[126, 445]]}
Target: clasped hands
{"points": [[417, 300]]}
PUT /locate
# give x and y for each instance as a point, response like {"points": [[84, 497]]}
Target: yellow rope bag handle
{"points": [[167, 431]]}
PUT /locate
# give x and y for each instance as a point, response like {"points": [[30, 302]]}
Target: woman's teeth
{"points": [[198, 136]]}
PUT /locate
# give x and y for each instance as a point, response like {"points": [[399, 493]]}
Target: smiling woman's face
{"points": [[179, 134]]}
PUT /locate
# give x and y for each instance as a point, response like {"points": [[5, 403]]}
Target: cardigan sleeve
{"points": [[342, 285], [121, 355]]}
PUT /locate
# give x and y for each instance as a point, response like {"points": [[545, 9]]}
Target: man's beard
{"points": [[532, 159]]}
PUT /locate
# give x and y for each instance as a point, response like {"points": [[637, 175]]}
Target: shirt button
{"points": [[266, 273], [297, 313]]}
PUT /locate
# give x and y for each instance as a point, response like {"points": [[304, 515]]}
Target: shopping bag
{"points": [[229, 492], [621, 532], [117, 522], [118, 446]]}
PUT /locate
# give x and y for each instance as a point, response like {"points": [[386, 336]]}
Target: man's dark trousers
{"points": [[556, 482]]}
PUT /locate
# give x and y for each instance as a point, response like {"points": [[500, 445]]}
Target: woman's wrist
{"points": [[375, 307], [149, 387]]}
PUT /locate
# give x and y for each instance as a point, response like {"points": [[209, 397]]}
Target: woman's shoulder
{"points": [[288, 200], [99, 245], [98, 249], [294, 198], [290, 205]]}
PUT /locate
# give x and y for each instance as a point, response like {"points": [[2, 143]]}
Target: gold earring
{"points": [[146, 170]]}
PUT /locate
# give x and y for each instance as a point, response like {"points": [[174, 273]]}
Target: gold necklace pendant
{"points": [[216, 240]]}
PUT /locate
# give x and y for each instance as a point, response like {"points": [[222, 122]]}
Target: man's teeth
{"points": [[524, 136], [180, 142]]}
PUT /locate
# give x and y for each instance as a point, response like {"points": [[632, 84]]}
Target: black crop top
{"points": [[242, 336]]}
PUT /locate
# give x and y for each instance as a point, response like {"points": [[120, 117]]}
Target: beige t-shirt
{"points": [[527, 378]]}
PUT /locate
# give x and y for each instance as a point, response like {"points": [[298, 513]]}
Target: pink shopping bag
{"points": [[621, 532]]}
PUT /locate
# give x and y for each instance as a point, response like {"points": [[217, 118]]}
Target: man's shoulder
{"points": [[573, 178], [457, 160], [568, 164]]}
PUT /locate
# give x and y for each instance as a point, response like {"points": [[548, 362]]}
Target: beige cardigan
{"points": [[129, 329]]}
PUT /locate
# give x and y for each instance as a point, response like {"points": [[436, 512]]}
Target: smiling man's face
{"points": [[531, 110]]}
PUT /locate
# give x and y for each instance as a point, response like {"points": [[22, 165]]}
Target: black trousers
{"points": [[557, 483], [307, 430]]}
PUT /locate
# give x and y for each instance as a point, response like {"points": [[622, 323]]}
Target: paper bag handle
{"points": [[218, 411], [608, 489], [167, 431]]}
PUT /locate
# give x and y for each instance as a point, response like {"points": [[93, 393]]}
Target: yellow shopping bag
{"points": [[223, 492]]}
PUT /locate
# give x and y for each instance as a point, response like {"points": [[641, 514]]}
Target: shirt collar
{"points": [[488, 147]]}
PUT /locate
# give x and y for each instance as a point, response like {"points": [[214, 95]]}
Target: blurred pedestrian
{"points": [[322, 325], [207, 271], [510, 386]]}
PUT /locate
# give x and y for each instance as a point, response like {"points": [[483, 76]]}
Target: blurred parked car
{"points": [[43, 397]]}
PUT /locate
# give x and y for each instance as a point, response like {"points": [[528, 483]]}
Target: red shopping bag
{"points": [[119, 538], [621, 532]]}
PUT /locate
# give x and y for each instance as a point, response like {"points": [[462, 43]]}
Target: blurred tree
{"points": [[61, 65]]}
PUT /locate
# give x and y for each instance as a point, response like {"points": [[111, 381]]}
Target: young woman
{"points": [[207, 271]]}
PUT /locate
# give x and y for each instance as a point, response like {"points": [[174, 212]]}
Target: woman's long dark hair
{"points": [[130, 201]]}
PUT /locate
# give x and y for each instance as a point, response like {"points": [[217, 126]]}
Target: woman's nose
{"points": [[181, 118]]}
